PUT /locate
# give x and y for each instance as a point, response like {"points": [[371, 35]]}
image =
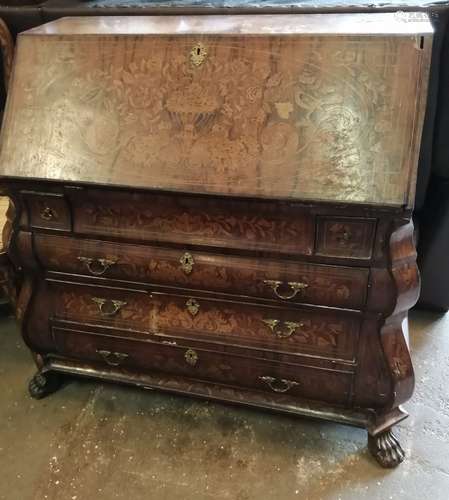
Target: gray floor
{"points": [[97, 441]]}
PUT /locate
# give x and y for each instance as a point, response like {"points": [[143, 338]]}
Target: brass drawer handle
{"points": [[97, 267], [108, 307], [193, 307], [48, 214], [294, 285], [187, 262], [113, 358], [290, 327], [191, 357], [278, 385]]}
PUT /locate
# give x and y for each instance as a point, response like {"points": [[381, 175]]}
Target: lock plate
{"points": [[198, 54]]}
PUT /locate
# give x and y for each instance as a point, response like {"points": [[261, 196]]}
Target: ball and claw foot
{"points": [[386, 449], [43, 384]]}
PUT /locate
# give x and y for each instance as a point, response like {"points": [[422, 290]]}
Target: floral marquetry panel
{"points": [[292, 114]]}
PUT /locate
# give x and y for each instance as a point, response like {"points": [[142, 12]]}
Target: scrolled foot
{"points": [[386, 449], [43, 384]]}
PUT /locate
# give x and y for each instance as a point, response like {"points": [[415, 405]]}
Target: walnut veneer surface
{"points": [[220, 206]]}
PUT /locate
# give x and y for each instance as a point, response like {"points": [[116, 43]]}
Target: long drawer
{"points": [[284, 281], [120, 352], [209, 221], [327, 333]]}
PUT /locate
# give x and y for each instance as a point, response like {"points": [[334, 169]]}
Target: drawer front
{"points": [[323, 333], [119, 352], [267, 113], [102, 306], [47, 210], [345, 237], [214, 222], [326, 333], [284, 281]]}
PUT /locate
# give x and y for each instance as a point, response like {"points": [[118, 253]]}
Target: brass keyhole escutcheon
{"points": [[48, 213], [193, 307], [186, 261], [198, 54]]}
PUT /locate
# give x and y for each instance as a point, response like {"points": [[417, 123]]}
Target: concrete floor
{"points": [[92, 441]]}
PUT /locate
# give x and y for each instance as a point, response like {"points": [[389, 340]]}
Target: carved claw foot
{"points": [[43, 384], [386, 449]]}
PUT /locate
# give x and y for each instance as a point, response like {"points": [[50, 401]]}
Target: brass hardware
{"points": [[191, 357], [193, 307], [397, 369], [48, 213], [344, 237], [113, 358], [187, 262], [97, 267], [198, 54], [294, 285], [290, 327], [108, 307], [278, 385]]}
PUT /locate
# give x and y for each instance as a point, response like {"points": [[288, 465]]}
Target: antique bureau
{"points": [[220, 206]]}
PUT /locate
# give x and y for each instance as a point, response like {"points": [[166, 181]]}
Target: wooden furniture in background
{"points": [[220, 206], [7, 292]]}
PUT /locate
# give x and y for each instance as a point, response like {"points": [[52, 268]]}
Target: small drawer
{"points": [[345, 237], [121, 353], [48, 210], [282, 281], [327, 333]]}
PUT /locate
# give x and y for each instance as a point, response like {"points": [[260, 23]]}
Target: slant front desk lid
{"points": [[323, 107]]}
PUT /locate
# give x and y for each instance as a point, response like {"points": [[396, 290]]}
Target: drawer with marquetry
{"points": [[46, 210], [103, 306], [280, 280], [121, 353], [327, 333], [217, 222]]}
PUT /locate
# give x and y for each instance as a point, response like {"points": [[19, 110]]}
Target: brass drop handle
{"points": [[191, 357], [97, 267], [112, 358], [278, 385], [48, 213], [296, 286], [108, 307], [290, 327]]}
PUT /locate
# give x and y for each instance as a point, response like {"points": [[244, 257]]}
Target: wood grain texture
{"points": [[332, 386], [329, 333], [394, 333], [239, 224], [296, 303], [285, 24], [326, 285], [285, 115], [7, 51]]}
